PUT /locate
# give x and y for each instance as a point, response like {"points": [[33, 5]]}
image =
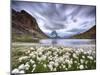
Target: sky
{"points": [[66, 19]]}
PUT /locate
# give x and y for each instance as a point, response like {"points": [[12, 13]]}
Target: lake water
{"points": [[68, 42], [60, 42]]}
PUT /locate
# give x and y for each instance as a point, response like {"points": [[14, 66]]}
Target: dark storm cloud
{"points": [[54, 27]]}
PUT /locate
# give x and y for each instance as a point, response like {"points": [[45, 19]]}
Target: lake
{"points": [[60, 42], [68, 42]]}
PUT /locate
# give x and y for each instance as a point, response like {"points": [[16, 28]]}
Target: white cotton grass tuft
{"points": [[56, 64], [34, 65], [44, 65], [15, 70], [22, 71], [75, 56], [43, 57], [81, 50], [90, 57], [32, 48], [21, 67], [50, 67], [33, 70], [54, 69], [32, 61], [82, 61], [66, 69], [27, 66], [75, 62], [81, 67], [63, 66], [28, 51], [32, 54], [69, 66], [40, 53], [51, 63], [23, 58], [83, 57]]}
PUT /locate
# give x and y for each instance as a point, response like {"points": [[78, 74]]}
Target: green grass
{"points": [[23, 38], [16, 52]]}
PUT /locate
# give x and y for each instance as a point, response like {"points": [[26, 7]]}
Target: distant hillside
{"points": [[25, 27], [90, 34]]}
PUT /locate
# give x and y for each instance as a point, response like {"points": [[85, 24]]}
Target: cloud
{"points": [[64, 18]]}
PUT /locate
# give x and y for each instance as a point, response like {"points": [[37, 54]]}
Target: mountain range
{"points": [[25, 29]]}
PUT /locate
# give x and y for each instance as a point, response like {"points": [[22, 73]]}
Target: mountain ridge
{"points": [[90, 34], [25, 24]]}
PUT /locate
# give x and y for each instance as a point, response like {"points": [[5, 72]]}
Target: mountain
{"points": [[25, 27], [90, 34]]}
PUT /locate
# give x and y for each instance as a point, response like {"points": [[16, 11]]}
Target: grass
{"points": [[16, 52], [19, 51], [23, 38]]}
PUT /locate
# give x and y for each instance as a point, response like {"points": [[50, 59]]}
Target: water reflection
{"points": [[67, 42]]}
